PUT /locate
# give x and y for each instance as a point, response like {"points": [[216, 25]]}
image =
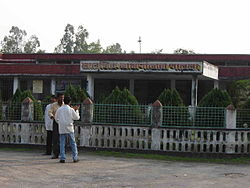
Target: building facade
{"points": [[145, 75]]}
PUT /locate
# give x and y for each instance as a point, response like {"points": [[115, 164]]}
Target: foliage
{"points": [[31, 45], [76, 93], [67, 41], [16, 43], [120, 106], [95, 47], [206, 116], [174, 116], [72, 42], [14, 110], [1, 107], [81, 45], [239, 91], [216, 98], [113, 49], [170, 98], [183, 51], [246, 105]]}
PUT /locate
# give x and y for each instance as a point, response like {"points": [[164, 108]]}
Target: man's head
{"points": [[60, 98], [67, 100], [53, 99]]}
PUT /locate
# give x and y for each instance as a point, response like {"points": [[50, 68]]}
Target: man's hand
{"points": [[76, 107]]}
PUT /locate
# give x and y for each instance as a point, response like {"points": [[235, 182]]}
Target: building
{"points": [[145, 75]]}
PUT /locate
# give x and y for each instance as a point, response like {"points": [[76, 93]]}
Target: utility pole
{"points": [[139, 43]]}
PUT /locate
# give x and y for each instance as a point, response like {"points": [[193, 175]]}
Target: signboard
{"points": [[127, 66], [37, 86], [210, 71]]}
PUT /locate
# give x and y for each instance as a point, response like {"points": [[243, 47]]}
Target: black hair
{"points": [[59, 94], [67, 100], [53, 97]]}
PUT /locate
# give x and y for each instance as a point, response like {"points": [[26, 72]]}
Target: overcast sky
{"points": [[204, 26]]}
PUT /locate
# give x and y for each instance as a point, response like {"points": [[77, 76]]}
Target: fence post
{"points": [[230, 124], [231, 117], [27, 112], [87, 111], [156, 114]]}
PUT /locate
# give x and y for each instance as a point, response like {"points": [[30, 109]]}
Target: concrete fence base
{"points": [[224, 141]]}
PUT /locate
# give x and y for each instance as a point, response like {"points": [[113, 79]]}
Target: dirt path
{"points": [[31, 169]]}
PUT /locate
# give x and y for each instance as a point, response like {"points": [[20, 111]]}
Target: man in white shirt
{"points": [[65, 116], [49, 126]]}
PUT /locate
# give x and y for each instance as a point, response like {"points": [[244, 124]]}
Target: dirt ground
{"points": [[32, 169]]}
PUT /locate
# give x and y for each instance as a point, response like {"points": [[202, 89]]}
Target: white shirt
{"points": [[48, 121], [65, 116]]}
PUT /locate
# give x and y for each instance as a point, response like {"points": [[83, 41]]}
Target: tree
{"points": [[67, 41], [32, 45], [183, 51], [77, 43], [81, 45], [113, 49], [14, 42], [239, 91], [95, 47], [157, 51]]}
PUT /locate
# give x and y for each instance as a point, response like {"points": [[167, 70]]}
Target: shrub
{"points": [[174, 111], [14, 110], [216, 98], [212, 117], [119, 107], [240, 92], [76, 93], [170, 98], [1, 107]]}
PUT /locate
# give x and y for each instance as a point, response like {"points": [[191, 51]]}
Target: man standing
{"points": [[55, 134], [65, 117], [49, 126]]}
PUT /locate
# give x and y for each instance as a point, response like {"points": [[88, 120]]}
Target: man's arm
{"points": [[50, 111], [75, 114]]}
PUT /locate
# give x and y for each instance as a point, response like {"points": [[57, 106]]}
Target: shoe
{"points": [[76, 161], [62, 161], [54, 157]]}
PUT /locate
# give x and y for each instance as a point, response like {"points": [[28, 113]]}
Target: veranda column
{"points": [[216, 84], [194, 90], [53, 87], [15, 84], [90, 86], [172, 84], [132, 86]]}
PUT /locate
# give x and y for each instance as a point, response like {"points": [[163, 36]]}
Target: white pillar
{"points": [[172, 84], [90, 86], [194, 90], [132, 86], [15, 84], [53, 87], [216, 84]]}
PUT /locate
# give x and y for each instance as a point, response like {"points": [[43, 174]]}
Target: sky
{"points": [[204, 26]]}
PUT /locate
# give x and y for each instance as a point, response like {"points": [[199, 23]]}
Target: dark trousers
{"points": [[49, 143], [55, 139]]}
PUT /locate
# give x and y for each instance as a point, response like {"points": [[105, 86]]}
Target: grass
{"points": [[238, 160]]}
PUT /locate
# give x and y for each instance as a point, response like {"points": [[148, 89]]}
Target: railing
{"points": [[122, 114], [243, 118], [140, 115], [193, 117]]}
